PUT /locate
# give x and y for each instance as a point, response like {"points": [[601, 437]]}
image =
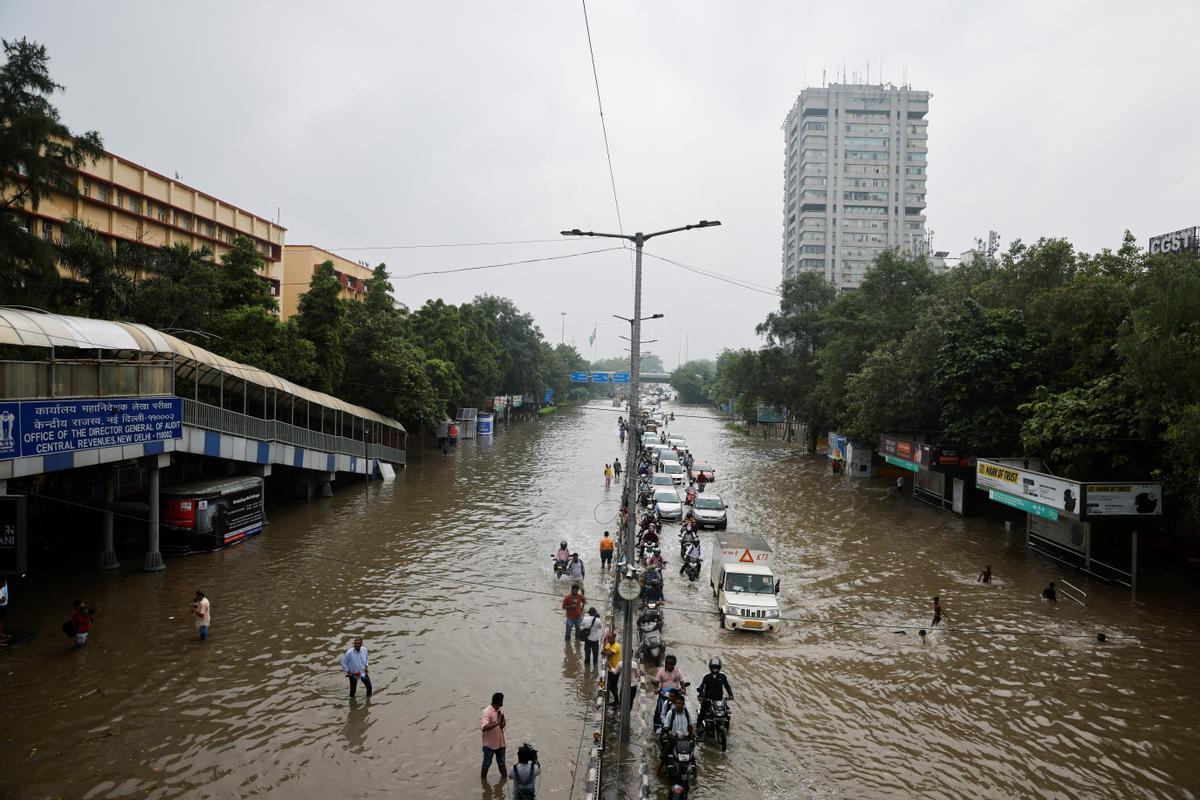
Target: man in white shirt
{"points": [[354, 664], [203, 612]]}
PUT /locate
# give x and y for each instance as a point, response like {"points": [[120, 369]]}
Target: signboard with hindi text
{"points": [[47, 427]]}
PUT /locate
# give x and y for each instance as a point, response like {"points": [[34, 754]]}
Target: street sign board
{"points": [[579, 377], [620, 377], [1024, 504], [599, 377]]}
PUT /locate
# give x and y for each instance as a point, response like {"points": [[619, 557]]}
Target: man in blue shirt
{"points": [[354, 664]]}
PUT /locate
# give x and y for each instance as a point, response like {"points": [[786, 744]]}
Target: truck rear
{"points": [[744, 582]]}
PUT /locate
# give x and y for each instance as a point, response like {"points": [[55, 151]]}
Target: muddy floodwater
{"points": [[445, 572]]}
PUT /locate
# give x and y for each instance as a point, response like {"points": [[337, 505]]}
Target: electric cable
{"points": [[739, 282], [450, 244]]}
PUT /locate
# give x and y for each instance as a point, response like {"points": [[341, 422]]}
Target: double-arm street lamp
{"points": [[635, 360]]}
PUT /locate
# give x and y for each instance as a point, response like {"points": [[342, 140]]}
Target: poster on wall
{"points": [[1063, 495], [1123, 500], [1064, 533]]}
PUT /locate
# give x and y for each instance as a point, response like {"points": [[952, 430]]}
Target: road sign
{"points": [[620, 377], [600, 377], [579, 377]]}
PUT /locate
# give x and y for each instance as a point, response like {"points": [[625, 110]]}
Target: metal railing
{"points": [[222, 420], [1072, 592]]}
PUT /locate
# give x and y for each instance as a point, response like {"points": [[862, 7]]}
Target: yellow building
{"points": [[300, 261], [128, 202]]}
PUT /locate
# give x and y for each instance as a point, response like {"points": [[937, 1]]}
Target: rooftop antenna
{"points": [[822, 77], [868, 72]]}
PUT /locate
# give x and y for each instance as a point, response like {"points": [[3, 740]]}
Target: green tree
{"points": [[100, 287], [322, 321], [37, 147], [694, 380], [241, 283], [253, 335], [183, 290]]}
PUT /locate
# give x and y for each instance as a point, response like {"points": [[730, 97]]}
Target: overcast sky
{"points": [[372, 125]]}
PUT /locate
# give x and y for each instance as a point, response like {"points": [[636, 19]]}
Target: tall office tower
{"points": [[854, 179]]}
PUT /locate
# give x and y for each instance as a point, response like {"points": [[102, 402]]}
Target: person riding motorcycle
{"points": [[676, 724], [714, 686], [669, 679], [692, 555], [562, 556], [652, 584]]}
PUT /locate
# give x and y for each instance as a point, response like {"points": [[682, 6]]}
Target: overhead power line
{"points": [[449, 244]]}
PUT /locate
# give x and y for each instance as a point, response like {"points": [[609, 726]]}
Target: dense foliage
{"points": [[1091, 362], [414, 366]]}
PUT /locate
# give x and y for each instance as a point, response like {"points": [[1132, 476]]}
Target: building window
{"points": [[86, 191], [916, 156], [103, 193], [135, 204], [48, 231], [162, 213]]}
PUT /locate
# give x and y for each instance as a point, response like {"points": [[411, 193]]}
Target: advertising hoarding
{"points": [[1123, 500], [1181, 241], [47, 427], [1037, 487]]}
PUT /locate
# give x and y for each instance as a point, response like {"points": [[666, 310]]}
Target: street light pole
{"points": [[562, 337], [635, 366]]}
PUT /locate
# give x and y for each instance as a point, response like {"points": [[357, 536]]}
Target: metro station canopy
{"points": [[38, 329]]}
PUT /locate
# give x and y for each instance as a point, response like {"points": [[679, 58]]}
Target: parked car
{"points": [[662, 479], [676, 471], [670, 506], [710, 511]]}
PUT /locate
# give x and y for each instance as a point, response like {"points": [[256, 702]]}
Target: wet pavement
{"points": [[446, 574]]}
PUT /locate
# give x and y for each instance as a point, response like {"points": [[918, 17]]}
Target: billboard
{"points": [[769, 413], [1183, 241], [46, 427], [1123, 500], [900, 448], [1036, 487]]}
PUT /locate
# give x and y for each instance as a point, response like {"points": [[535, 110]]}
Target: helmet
{"points": [[714, 664], [563, 544]]}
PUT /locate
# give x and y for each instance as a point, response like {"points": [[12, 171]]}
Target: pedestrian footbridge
{"points": [[79, 394]]}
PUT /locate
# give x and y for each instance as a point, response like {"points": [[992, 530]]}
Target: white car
{"points": [[670, 506], [661, 480], [676, 471], [710, 511]]}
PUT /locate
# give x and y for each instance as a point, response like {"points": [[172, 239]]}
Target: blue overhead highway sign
{"points": [[599, 377], [620, 377], [579, 377]]}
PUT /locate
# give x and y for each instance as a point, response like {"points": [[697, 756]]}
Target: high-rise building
{"points": [[854, 179]]}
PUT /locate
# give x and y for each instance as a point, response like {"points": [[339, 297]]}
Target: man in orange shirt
{"points": [[606, 552]]}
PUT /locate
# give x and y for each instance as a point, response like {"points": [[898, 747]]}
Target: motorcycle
{"points": [[650, 638], [680, 765], [692, 569], [686, 539], [560, 567], [716, 721]]}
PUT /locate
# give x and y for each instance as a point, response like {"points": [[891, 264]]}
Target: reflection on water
{"points": [[840, 705]]}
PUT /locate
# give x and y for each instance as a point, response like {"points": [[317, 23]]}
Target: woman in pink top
{"points": [[491, 727]]}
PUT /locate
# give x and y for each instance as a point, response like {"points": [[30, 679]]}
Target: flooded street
{"points": [[445, 573]]}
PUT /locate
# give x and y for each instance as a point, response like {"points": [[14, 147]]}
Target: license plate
{"points": [[751, 623]]}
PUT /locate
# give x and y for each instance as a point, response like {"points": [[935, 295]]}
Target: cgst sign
{"points": [[1181, 241], [48, 427]]}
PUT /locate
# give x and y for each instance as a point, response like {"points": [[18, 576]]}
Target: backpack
{"points": [[523, 788]]}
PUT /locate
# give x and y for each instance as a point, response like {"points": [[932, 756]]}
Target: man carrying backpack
{"points": [[524, 774]]}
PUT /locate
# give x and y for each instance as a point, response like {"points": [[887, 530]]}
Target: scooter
{"points": [[650, 638], [716, 721]]}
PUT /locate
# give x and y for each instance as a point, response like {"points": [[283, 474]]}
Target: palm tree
{"points": [[99, 285]]}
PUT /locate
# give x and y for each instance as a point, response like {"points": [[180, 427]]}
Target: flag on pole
{"points": [[592, 338]]}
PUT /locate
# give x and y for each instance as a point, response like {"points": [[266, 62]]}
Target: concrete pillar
{"points": [[154, 559], [325, 484], [108, 556]]}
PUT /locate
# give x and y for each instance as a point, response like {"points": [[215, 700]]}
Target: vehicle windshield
{"points": [[709, 502], [701, 468], [673, 468], [663, 496], [738, 582], [663, 480]]}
